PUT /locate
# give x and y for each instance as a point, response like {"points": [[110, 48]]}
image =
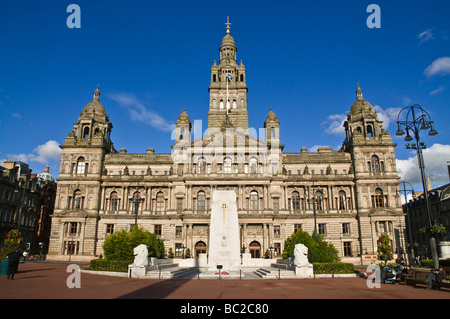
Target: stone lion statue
{"points": [[301, 255], [140, 256]]}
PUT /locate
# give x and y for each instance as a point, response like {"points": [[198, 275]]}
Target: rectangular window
{"points": [[347, 249], [179, 205], [158, 230], [109, 229], [345, 228], [178, 250], [276, 230], [276, 204], [322, 229], [297, 227], [73, 228], [178, 231]]}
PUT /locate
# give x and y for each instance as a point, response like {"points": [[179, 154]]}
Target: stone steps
{"points": [[173, 272], [274, 273]]}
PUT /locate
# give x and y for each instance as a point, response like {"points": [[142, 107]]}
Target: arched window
{"points": [[160, 202], [221, 104], [78, 200], [242, 77], [181, 133], [234, 104], [86, 132], [227, 165], [295, 201], [369, 131], [81, 166], [374, 164], [342, 200], [253, 165], [377, 199], [114, 202], [272, 132], [201, 201], [253, 200], [318, 198], [214, 78]]}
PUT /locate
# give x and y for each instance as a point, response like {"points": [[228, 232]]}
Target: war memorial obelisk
{"points": [[224, 232]]}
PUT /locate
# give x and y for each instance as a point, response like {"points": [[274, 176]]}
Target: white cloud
{"points": [[438, 66], [138, 111], [16, 115], [334, 124], [388, 115], [425, 36], [435, 160], [438, 90], [42, 154]]}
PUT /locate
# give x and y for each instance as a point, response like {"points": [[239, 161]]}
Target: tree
{"points": [[12, 242], [384, 248], [120, 245], [170, 253], [318, 249]]}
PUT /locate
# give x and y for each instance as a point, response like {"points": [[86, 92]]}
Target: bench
{"points": [[419, 277]]}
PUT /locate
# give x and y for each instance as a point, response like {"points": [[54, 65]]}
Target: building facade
{"points": [[417, 219], [350, 196], [26, 203]]}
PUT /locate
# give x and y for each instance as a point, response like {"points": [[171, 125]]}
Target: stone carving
{"points": [[140, 256], [301, 255], [303, 269]]}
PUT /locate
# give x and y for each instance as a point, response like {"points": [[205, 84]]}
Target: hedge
{"points": [[428, 263], [108, 265], [334, 268]]}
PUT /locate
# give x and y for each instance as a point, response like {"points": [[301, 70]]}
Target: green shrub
{"points": [[334, 268], [12, 242], [120, 245], [108, 265], [319, 250], [428, 263]]}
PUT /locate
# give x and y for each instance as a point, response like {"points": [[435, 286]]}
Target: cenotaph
{"points": [[224, 232]]}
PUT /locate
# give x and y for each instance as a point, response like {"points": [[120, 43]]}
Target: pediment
{"points": [[375, 212], [228, 138], [74, 214]]}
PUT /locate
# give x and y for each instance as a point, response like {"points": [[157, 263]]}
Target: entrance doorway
{"points": [[255, 249], [200, 248]]}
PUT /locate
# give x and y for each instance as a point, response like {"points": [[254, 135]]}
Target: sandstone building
{"points": [[350, 196]]}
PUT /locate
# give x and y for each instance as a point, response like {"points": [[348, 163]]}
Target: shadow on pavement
{"points": [[158, 290]]}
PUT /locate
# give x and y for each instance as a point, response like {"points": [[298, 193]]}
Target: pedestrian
{"points": [[436, 275], [13, 264]]}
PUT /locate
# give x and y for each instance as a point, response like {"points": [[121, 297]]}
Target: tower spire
{"points": [[228, 25]]}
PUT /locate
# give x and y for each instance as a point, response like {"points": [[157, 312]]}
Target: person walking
{"points": [[13, 265]]}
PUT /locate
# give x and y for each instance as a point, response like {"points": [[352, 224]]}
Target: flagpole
{"points": [[227, 93]]}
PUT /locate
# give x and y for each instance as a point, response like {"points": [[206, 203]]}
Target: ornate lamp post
{"points": [[414, 123], [405, 192]]}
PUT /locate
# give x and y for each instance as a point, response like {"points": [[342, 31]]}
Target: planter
{"points": [[4, 269], [445, 249]]}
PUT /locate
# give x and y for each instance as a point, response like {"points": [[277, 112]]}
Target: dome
{"points": [[271, 116], [46, 176], [228, 41], [95, 106], [183, 116], [360, 104]]}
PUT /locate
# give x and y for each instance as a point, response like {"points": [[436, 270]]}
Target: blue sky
{"points": [[151, 59]]}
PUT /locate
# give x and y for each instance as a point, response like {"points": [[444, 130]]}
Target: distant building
{"points": [[350, 196], [26, 203], [417, 218], [44, 210]]}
